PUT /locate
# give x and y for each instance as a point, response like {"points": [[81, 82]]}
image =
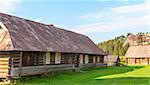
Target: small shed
{"points": [[112, 60], [138, 55]]}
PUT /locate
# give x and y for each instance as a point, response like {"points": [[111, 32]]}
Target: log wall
{"points": [[36, 70], [4, 67], [8, 60], [138, 61], [91, 65], [101, 64], [86, 65]]}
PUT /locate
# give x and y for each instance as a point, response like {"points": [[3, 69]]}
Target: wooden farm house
{"points": [[31, 48], [138, 55]]}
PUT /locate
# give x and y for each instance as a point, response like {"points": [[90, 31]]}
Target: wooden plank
{"points": [[5, 73], [1, 63], [5, 59], [4, 70], [16, 59], [4, 66], [3, 76], [16, 65]]}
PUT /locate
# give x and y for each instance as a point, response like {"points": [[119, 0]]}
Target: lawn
{"points": [[132, 75]]}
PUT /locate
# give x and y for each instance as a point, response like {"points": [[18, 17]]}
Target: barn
{"points": [[31, 48], [138, 55]]}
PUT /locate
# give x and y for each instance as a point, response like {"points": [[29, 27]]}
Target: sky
{"points": [[100, 20]]}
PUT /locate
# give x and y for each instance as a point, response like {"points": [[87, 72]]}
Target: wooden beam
{"points": [[36, 70], [20, 64]]}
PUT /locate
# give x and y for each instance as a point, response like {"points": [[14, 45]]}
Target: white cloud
{"points": [[113, 26], [8, 6], [38, 20], [117, 18]]}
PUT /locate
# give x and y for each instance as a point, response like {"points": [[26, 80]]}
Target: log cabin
{"points": [[31, 48], [138, 55]]}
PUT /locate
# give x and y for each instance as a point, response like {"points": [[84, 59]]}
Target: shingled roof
{"points": [[27, 35], [141, 51], [111, 58]]}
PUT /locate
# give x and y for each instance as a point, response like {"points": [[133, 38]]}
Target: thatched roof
{"points": [[27, 35], [138, 51], [137, 39]]}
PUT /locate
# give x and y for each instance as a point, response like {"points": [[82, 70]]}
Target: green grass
{"points": [[132, 75]]}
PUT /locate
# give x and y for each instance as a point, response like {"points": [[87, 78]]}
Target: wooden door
{"points": [[76, 60], [27, 59], [137, 61]]}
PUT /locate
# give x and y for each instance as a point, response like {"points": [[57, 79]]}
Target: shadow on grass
{"points": [[136, 67], [116, 70], [82, 77], [125, 81]]}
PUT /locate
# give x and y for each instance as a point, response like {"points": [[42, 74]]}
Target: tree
{"points": [[114, 46]]}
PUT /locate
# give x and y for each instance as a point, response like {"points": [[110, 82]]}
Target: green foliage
{"points": [[148, 43], [114, 46], [122, 60]]}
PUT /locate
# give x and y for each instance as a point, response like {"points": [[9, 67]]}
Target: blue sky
{"points": [[99, 19]]}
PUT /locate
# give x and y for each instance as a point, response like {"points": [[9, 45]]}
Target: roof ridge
{"points": [[51, 25]]}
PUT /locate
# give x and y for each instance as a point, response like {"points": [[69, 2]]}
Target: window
{"points": [[67, 58], [137, 61], [27, 59], [52, 58], [64, 59], [96, 59], [90, 59], [32, 59], [101, 59], [70, 58]]}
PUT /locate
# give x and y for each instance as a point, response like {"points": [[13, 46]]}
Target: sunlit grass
{"points": [[142, 72], [132, 75]]}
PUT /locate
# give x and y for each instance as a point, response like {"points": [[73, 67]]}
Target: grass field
{"points": [[132, 75]]}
